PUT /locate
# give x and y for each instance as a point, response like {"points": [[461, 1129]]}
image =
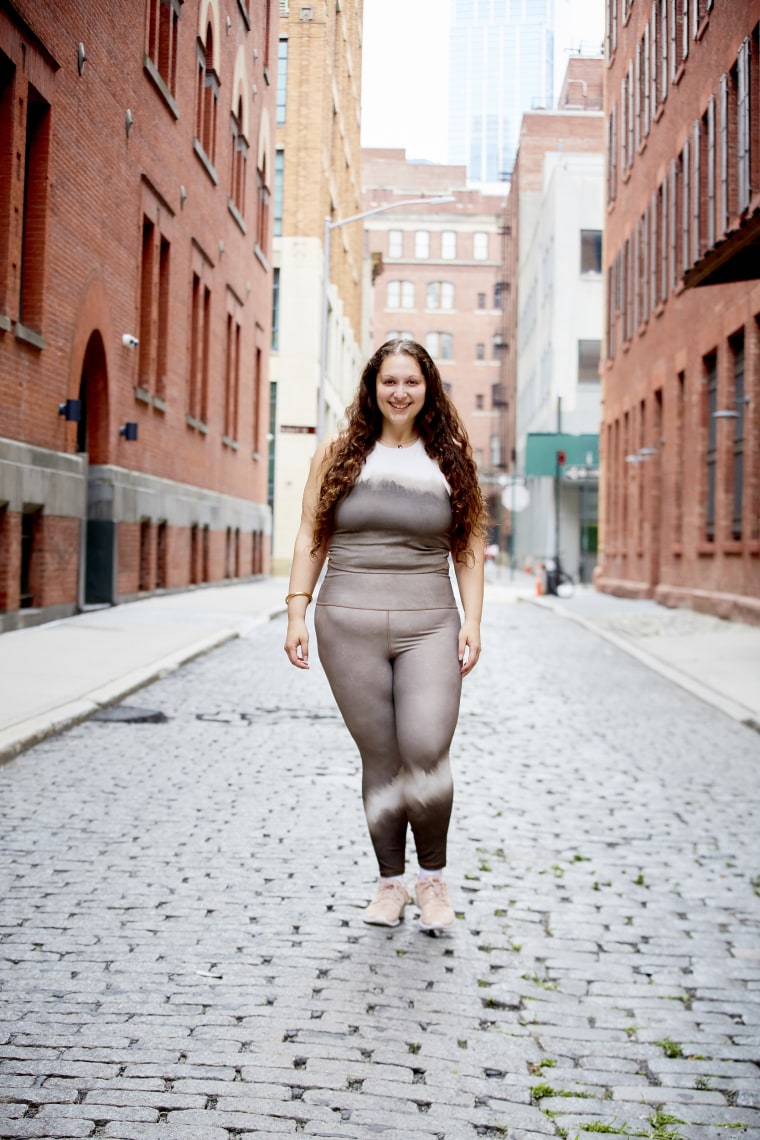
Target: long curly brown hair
{"points": [[441, 431]]}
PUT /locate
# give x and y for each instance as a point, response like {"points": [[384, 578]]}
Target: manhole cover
{"points": [[130, 714]]}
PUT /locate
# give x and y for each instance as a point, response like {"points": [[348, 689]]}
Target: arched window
{"points": [[207, 95], [262, 221], [239, 160]]}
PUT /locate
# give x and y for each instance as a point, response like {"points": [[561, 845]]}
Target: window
{"points": [[440, 345], [440, 295], [448, 244], [7, 77], [395, 243], [743, 136], [654, 57], [737, 357], [154, 309], [497, 346], [664, 45], [610, 28], [591, 251], [256, 430], [279, 190], [500, 289], [262, 208], [480, 246], [232, 370], [685, 204], [589, 352], [678, 482], [706, 234], [422, 243], [239, 159], [710, 367], [480, 351], [612, 144], [35, 207], [479, 402], [163, 23], [200, 340], [276, 309], [396, 334], [282, 79], [207, 96], [481, 300], [400, 295]]}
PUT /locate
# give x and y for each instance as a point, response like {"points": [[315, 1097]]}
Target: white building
{"points": [[559, 333]]}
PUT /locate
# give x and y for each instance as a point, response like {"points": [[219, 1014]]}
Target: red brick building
{"points": [[136, 167], [680, 443], [441, 282]]}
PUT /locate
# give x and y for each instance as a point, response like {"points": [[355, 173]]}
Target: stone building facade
{"points": [[680, 444], [136, 177]]}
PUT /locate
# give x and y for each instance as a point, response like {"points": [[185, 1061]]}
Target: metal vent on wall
{"points": [[307, 12]]}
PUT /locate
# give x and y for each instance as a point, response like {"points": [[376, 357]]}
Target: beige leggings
{"points": [[395, 676]]}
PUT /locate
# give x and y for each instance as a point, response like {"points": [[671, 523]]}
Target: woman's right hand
{"points": [[297, 643]]}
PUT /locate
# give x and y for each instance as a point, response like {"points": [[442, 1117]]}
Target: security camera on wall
{"points": [[129, 340]]}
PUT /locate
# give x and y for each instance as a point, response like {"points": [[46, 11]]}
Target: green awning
{"points": [[542, 446]]}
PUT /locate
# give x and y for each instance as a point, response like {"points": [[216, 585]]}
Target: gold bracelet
{"points": [[298, 594]]}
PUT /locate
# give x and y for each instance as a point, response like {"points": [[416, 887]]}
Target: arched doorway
{"points": [[92, 440]]}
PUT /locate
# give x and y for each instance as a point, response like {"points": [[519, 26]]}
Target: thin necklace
{"points": [[398, 445]]}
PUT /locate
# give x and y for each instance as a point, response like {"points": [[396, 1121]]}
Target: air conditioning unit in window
{"points": [[284, 8]]}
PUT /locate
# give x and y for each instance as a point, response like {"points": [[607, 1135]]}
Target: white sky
{"points": [[406, 63]]}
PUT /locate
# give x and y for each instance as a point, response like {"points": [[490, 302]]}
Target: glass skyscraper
{"points": [[501, 65]]}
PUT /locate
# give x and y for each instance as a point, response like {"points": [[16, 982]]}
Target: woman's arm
{"points": [[306, 567], [469, 577]]}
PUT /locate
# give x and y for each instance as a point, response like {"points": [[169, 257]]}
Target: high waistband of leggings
{"points": [[383, 590]]}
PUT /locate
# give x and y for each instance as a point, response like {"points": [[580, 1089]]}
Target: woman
{"points": [[389, 499]]}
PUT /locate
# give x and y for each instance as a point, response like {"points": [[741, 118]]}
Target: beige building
{"points": [[317, 176], [438, 278]]}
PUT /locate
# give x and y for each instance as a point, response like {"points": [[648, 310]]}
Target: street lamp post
{"points": [[329, 227]]}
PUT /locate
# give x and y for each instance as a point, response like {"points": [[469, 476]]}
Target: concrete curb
{"points": [[731, 708], [19, 737]]}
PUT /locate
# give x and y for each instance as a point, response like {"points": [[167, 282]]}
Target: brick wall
{"points": [[81, 261], [668, 464]]}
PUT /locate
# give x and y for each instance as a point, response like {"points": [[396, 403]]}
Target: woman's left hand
{"points": [[469, 646]]}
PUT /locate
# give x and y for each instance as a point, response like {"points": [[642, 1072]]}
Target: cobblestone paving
{"points": [[182, 955]]}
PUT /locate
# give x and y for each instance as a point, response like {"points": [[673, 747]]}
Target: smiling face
{"points": [[400, 391]]}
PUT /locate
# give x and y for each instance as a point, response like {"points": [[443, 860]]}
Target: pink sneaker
{"points": [[387, 907], [436, 911]]}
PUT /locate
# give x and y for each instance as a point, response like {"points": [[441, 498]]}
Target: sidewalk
{"points": [[57, 674]]}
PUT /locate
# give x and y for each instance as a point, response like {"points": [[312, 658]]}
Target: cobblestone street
{"points": [[181, 947]]}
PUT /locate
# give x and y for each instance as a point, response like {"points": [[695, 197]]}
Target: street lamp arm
{"points": [[391, 206]]}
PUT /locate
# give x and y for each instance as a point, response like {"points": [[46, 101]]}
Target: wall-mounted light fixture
{"points": [[81, 58], [128, 431], [182, 197], [71, 410], [647, 452], [727, 413], [128, 121], [129, 340]]}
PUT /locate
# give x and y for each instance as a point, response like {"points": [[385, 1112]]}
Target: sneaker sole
{"points": [[380, 922], [437, 925]]}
